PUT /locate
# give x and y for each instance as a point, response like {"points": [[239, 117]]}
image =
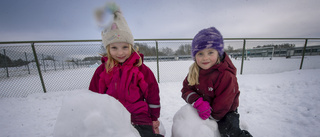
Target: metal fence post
{"points": [[303, 52], [38, 67], [44, 63], [54, 63], [244, 48], [6, 64], [62, 65], [25, 54], [157, 62]]}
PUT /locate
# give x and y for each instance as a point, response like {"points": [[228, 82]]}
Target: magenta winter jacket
{"points": [[135, 87], [218, 85]]}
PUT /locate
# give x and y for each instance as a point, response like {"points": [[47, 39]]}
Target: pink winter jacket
{"points": [[135, 87]]}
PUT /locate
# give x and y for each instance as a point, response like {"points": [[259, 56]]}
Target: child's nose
{"points": [[120, 52], [205, 57]]}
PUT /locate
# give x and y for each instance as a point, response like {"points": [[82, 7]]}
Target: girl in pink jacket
{"points": [[123, 75], [211, 85]]}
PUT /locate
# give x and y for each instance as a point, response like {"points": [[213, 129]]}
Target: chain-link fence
{"points": [[47, 66]]}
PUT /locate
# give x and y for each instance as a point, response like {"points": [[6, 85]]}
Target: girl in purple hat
{"points": [[211, 85]]}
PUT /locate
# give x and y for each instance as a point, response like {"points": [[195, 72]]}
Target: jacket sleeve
{"points": [[153, 97], [94, 84], [226, 92], [189, 93]]}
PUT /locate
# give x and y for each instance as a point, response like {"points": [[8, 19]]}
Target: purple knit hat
{"points": [[207, 38]]}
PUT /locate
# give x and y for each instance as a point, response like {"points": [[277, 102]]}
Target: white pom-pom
{"points": [[105, 15]]}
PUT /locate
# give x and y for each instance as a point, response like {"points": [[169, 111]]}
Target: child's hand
{"points": [[203, 107], [156, 125]]}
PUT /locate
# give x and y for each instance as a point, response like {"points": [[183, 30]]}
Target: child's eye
{"points": [[125, 47], [113, 47], [211, 52]]}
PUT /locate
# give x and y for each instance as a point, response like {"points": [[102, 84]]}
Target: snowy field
{"points": [[277, 99]]}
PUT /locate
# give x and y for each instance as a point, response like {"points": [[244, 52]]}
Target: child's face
{"points": [[120, 51], [206, 58]]}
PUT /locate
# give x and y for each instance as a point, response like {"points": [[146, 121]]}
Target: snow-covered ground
{"points": [[277, 99]]}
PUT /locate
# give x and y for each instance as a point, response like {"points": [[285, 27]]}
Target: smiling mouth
{"points": [[205, 63], [121, 57]]}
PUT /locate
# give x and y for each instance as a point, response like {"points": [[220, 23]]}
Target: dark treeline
{"points": [[230, 49], [183, 49], [285, 45], [5, 61]]}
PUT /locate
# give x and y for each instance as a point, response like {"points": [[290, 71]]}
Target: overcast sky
{"points": [[24, 20]]}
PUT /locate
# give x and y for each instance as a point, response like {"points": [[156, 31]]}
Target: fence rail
{"points": [[20, 58]]}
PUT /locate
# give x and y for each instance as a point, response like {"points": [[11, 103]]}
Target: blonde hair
{"points": [[193, 75], [111, 62]]}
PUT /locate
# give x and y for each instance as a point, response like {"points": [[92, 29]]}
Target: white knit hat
{"points": [[118, 30]]}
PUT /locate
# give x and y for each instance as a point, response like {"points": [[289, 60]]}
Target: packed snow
{"points": [[90, 114], [277, 99], [187, 118]]}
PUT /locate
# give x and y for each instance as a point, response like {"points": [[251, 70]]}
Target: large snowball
{"points": [[90, 114], [187, 123]]}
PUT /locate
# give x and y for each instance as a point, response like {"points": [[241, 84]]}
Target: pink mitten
{"points": [[203, 107]]}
